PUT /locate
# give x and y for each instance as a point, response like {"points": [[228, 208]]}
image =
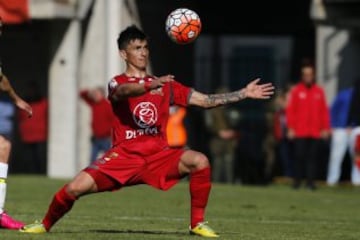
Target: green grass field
{"points": [[237, 212]]}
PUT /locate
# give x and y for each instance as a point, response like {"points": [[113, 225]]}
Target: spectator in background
{"points": [[223, 142], [6, 117], [308, 122], [34, 132], [269, 144], [340, 137], [175, 130], [101, 120], [280, 133], [354, 122]]}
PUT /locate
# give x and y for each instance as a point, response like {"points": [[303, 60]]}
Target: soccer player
{"points": [[5, 147], [140, 153]]}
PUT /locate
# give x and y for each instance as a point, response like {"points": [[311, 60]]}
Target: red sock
{"points": [[60, 205], [200, 185]]}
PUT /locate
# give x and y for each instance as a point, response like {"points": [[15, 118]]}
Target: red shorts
{"points": [[116, 169]]}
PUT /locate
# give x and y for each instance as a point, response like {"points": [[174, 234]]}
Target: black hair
{"points": [[307, 62], [129, 34]]}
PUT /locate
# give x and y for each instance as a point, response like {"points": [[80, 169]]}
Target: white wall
{"points": [[92, 64], [338, 56]]}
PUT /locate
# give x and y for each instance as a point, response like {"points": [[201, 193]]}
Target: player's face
{"points": [[136, 54], [308, 75]]}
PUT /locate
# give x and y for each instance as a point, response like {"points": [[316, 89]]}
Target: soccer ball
{"points": [[183, 25]]}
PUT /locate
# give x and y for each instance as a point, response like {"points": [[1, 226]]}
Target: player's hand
{"points": [[259, 91], [325, 134], [227, 134], [291, 133], [160, 81], [24, 106], [348, 130]]}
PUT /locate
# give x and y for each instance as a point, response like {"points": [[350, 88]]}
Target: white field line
{"points": [[238, 220]]}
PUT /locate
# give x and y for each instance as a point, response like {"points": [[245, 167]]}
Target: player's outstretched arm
{"points": [[126, 90], [5, 86], [253, 90]]}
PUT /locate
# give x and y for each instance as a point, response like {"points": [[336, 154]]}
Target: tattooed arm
{"points": [[252, 90]]}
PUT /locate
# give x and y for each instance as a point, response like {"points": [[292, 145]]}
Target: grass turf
{"points": [[237, 212]]}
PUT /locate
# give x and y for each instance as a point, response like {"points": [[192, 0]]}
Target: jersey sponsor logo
{"points": [[145, 114], [130, 134]]}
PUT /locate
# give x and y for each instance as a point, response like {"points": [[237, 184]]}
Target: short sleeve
{"points": [[179, 94]]}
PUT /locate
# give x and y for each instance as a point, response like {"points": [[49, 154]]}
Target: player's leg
{"points": [[5, 220], [64, 199], [86, 182], [197, 166], [311, 162], [338, 147], [300, 156]]}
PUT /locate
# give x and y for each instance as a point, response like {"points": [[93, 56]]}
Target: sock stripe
{"points": [[2, 180]]}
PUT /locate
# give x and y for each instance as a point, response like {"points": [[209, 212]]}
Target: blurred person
{"points": [[308, 123], [101, 120], [5, 148], [222, 143], [354, 123], [140, 153], [280, 132], [269, 143], [34, 131], [340, 134], [175, 129]]}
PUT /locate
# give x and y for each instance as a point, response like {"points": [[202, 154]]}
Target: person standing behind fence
{"points": [[308, 122], [280, 134], [354, 122], [340, 134], [34, 132], [222, 143], [101, 120]]}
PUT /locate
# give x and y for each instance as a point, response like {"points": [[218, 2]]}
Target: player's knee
{"points": [[76, 189], [201, 161]]}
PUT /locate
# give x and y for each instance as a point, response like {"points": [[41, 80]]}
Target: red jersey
{"points": [[140, 122], [102, 116], [307, 112], [34, 129]]}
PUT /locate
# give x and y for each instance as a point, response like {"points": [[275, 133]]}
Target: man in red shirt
{"points": [[140, 153], [34, 134], [308, 122], [101, 120], [5, 147]]}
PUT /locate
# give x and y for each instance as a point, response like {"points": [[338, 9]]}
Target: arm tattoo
{"points": [[214, 100]]}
